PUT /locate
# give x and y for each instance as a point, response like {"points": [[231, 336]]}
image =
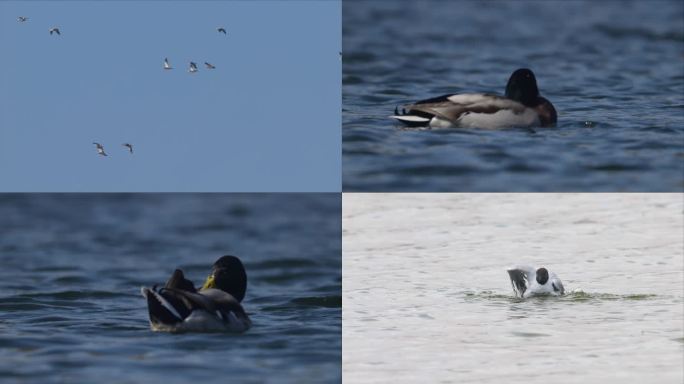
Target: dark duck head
{"points": [[522, 87], [228, 274]]}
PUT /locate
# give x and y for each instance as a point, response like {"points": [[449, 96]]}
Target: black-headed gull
{"points": [[100, 149], [22, 19], [529, 281], [209, 66], [221, 30], [193, 67], [129, 146], [54, 30], [166, 64]]}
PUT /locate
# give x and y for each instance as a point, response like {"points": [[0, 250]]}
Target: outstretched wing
{"points": [[520, 278]]}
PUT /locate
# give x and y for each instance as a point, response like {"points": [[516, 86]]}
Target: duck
{"points": [[215, 307], [521, 106], [529, 281]]}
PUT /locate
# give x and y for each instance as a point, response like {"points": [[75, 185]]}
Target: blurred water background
{"points": [[72, 268], [613, 69]]}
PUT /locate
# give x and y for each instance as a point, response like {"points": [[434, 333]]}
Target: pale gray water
{"points": [[427, 297]]}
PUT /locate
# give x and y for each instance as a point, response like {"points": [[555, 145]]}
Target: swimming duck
{"points": [[520, 107], [529, 281], [179, 307]]}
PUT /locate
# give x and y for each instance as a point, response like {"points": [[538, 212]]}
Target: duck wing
{"points": [[452, 107], [165, 306], [213, 301]]}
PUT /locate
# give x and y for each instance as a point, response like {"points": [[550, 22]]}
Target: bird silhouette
{"points": [[100, 149]]}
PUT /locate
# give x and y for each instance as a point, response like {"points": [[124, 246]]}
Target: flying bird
{"points": [[193, 67], [166, 64], [21, 19], [55, 30], [209, 66], [100, 149], [222, 30], [529, 281], [129, 146]]}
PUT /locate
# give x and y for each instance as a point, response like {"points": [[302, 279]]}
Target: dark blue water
{"points": [[613, 69], [72, 267]]}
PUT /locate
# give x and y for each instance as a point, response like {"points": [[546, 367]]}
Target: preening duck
{"points": [[522, 106], [529, 281], [179, 307]]}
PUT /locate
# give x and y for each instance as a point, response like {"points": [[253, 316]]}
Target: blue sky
{"points": [[267, 119]]}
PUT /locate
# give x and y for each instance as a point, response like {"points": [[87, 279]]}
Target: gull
{"points": [[55, 29], [529, 281], [166, 64], [129, 146], [21, 19], [209, 66], [100, 149], [221, 30], [193, 67]]}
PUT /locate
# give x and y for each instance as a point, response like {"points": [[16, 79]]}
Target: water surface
{"points": [[427, 296], [613, 69], [73, 265]]}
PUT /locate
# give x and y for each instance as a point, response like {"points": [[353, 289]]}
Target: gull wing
{"points": [[520, 278]]}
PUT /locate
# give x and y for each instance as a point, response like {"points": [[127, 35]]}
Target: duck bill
{"points": [[210, 283]]}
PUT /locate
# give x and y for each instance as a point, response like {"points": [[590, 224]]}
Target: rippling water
{"points": [[426, 293], [613, 69], [73, 265]]}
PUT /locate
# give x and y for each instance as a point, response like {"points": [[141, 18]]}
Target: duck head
{"points": [[228, 274], [522, 87], [542, 276]]}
